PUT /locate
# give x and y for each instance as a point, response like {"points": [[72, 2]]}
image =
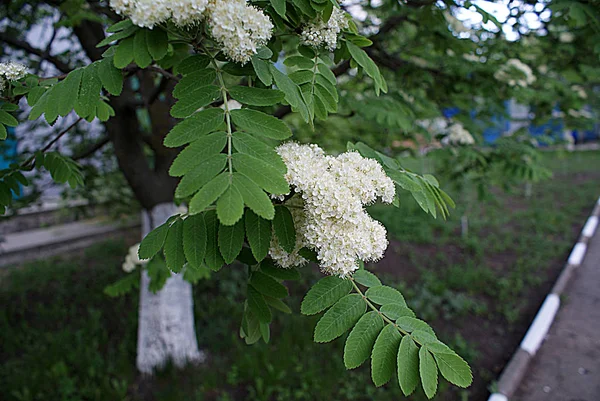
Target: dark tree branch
{"points": [[23, 45], [92, 149]]}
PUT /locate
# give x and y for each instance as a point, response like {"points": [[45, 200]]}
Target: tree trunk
{"points": [[166, 319]]}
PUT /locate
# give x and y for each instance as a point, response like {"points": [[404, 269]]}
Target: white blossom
{"points": [[458, 135], [132, 260], [328, 207], [515, 72], [580, 91], [12, 71], [317, 34], [566, 37]]}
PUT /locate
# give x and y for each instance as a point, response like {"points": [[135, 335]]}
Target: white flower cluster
{"points": [[580, 91], [11, 71], [132, 260], [317, 34], [458, 135], [329, 212], [507, 72], [237, 26]]}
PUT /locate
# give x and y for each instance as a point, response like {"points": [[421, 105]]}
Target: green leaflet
{"points": [[342, 316], [231, 240], [124, 53], [209, 193], [396, 311], [89, 91], [324, 293], [267, 285], [158, 43], [428, 372], [158, 273], [361, 339], [71, 86], [291, 90], [141, 56], [369, 66], [277, 304], [383, 359], [259, 123], [194, 127], [192, 64], [126, 32], [408, 365], [254, 197], [7, 119], [230, 206], [279, 6], [174, 254], [382, 295], [261, 173], [110, 76], [123, 286], [194, 82], [194, 240], [283, 225], [194, 100], [256, 96], [197, 153], [261, 67], [200, 175], [213, 258], [153, 241], [300, 62], [454, 369], [248, 144], [366, 278], [258, 306], [258, 233]]}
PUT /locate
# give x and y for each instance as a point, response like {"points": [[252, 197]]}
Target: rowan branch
{"points": [[23, 45], [92, 149]]}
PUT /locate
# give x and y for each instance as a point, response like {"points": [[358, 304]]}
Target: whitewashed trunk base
{"points": [[166, 329]]}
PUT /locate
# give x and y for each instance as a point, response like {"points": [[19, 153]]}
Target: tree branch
{"points": [[92, 149], [23, 45]]}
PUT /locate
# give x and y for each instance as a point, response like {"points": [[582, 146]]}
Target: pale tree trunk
{"points": [[166, 319]]}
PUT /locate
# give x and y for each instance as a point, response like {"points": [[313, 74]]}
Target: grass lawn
{"points": [[63, 339]]}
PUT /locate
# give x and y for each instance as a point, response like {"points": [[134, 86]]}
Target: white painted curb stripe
{"points": [[497, 397], [539, 328], [590, 227], [577, 254]]}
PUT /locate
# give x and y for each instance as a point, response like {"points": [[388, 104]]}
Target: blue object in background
{"points": [[9, 153]]}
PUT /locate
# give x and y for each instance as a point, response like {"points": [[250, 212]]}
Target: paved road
{"points": [[567, 367]]}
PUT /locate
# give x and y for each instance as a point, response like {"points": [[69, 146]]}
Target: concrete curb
{"points": [[515, 370]]}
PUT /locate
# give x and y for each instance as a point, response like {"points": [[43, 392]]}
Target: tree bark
{"points": [[166, 328]]}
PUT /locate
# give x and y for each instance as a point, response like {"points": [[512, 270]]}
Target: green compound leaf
{"points": [[267, 285], [396, 311], [361, 339], [194, 239], [258, 305], [153, 242], [209, 193], [428, 372], [454, 369], [341, 317], [258, 233], [366, 278], [254, 197], [230, 206], [408, 365], [194, 127], [213, 258], [383, 358], [382, 295], [324, 293], [200, 175], [263, 174], [259, 123], [197, 153], [256, 96], [269, 267], [283, 225], [174, 253], [231, 240]]}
